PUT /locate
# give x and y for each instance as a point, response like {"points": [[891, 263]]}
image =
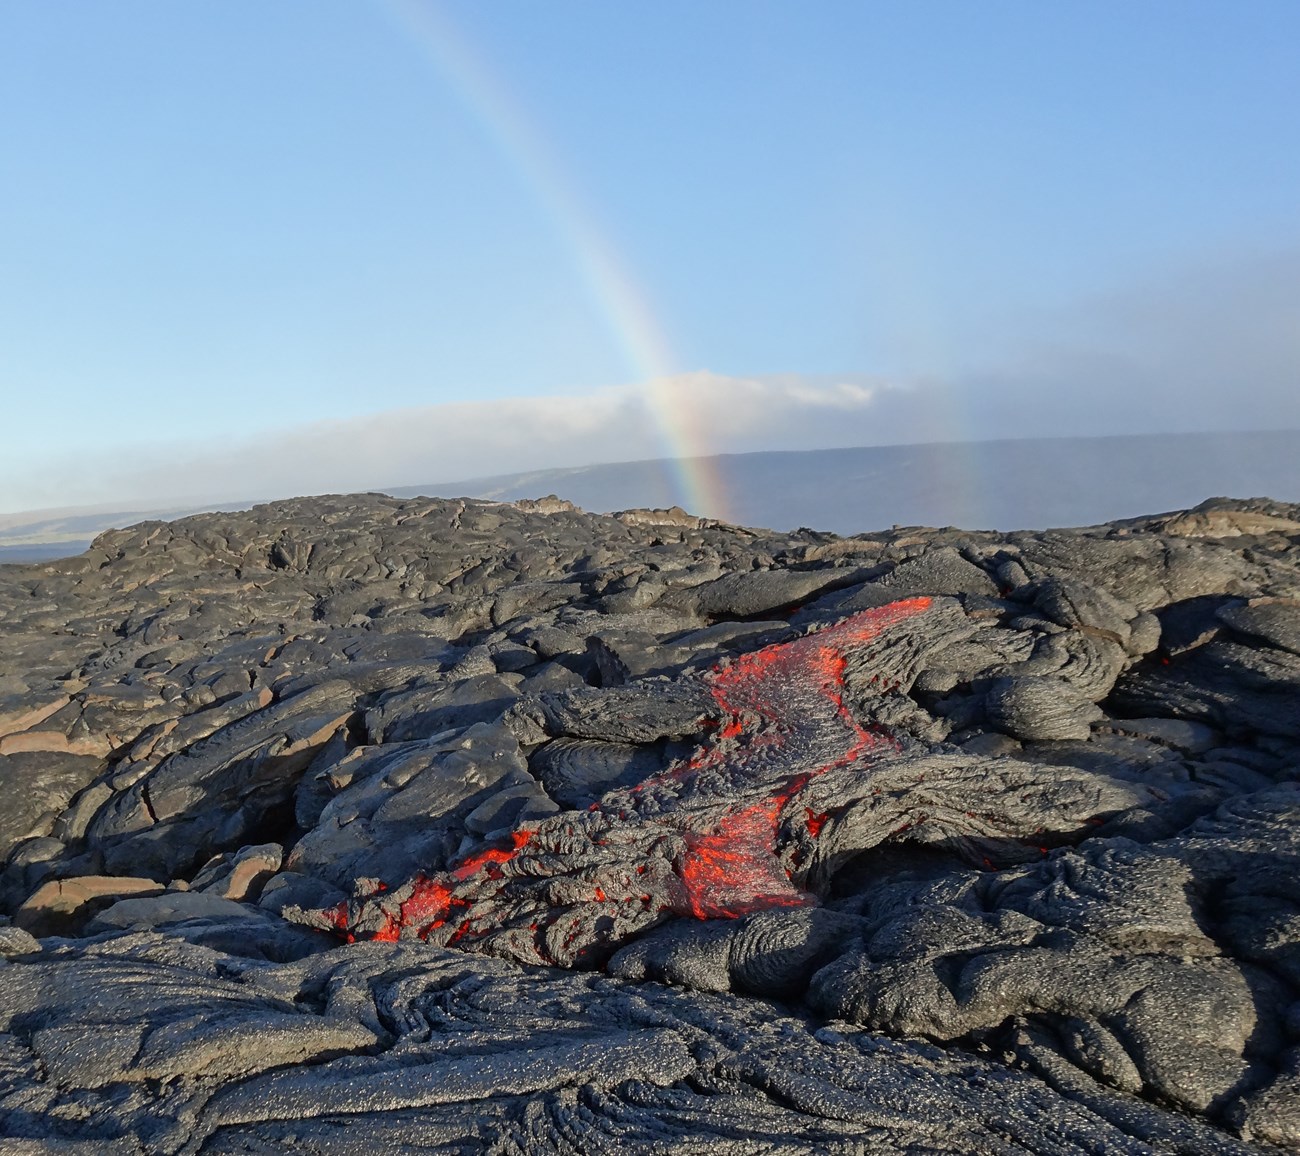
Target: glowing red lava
{"points": [[699, 839]]}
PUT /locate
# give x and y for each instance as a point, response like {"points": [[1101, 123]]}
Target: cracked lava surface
{"points": [[715, 836]]}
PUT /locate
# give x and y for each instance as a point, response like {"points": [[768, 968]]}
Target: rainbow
{"points": [[613, 291]]}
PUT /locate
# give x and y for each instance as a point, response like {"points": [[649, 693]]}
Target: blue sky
{"points": [[221, 223]]}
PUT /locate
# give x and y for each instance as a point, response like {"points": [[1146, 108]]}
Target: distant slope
{"points": [[998, 485], [39, 535], [22, 555]]}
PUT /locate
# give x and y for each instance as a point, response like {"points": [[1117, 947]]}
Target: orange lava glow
{"points": [[732, 871], [777, 706]]}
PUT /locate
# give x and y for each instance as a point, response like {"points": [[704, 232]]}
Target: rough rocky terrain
{"points": [[357, 824]]}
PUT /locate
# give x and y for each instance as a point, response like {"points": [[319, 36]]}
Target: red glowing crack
{"points": [[699, 839]]}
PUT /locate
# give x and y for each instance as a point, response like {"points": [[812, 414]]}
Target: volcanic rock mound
{"points": [[355, 824]]}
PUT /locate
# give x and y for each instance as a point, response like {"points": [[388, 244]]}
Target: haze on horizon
{"points": [[259, 250]]}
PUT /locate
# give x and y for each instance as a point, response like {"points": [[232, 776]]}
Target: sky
{"points": [[250, 249]]}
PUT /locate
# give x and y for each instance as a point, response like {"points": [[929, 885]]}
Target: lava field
{"points": [[355, 824]]}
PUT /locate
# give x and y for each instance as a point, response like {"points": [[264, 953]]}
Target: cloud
{"points": [[1215, 346], [1211, 348], [462, 440]]}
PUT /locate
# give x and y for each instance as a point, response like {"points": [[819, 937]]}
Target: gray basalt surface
{"points": [[356, 824]]}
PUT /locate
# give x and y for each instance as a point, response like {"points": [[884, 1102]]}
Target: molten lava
{"points": [[699, 839]]}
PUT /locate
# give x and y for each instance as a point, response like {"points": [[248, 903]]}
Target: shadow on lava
{"points": [[893, 862]]}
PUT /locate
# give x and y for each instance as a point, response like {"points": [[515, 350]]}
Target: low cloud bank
{"points": [[691, 413], [1215, 348]]}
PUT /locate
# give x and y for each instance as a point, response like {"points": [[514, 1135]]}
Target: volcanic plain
{"points": [[361, 824]]}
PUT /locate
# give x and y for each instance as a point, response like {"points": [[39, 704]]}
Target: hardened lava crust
{"points": [[354, 824]]}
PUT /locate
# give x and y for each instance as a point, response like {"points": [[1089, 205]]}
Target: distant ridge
{"points": [[996, 485], [40, 535]]}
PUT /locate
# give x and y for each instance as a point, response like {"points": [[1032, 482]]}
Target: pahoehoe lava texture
{"points": [[699, 839], [353, 824]]}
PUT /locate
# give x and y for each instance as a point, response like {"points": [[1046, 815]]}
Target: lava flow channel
{"points": [[699, 839]]}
